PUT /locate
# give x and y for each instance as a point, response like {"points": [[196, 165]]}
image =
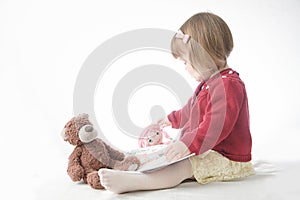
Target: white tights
{"points": [[124, 181]]}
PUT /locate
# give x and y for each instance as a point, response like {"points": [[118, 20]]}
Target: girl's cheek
{"points": [[190, 71]]}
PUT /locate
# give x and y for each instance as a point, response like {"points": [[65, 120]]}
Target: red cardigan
{"points": [[217, 118]]}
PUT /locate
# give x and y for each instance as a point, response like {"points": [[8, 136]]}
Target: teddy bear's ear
{"points": [[63, 134], [83, 115]]}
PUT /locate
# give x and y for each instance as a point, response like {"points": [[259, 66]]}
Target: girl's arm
{"points": [[179, 118]]}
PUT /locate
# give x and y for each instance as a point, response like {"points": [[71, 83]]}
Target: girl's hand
{"points": [[176, 150], [164, 122]]}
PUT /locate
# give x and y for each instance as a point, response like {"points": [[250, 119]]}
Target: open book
{"points": [[153, 157]]}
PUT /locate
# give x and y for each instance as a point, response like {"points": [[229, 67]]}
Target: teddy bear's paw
{"points": [[133, 167], [133, 163], [133, 160]]}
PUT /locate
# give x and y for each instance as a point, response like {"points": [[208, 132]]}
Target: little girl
{"points": [[214, 123]]}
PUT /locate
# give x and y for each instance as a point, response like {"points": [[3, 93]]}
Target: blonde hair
{"points": [[210, 43]]}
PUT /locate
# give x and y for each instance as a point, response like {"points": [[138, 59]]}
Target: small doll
{"points": [[153, 135]]}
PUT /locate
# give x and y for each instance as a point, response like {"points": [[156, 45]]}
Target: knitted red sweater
{"points": [[217, 117]]}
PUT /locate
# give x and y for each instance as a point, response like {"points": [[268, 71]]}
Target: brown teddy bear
{"points": [[91, 153]]}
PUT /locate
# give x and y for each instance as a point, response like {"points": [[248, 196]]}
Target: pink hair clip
{"points": [[185, 37]]}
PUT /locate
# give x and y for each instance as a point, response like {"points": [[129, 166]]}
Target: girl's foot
{"points": [[119, 181]]}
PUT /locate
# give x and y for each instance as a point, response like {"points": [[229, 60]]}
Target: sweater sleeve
{"points": [[179, 118], [220, 114]]}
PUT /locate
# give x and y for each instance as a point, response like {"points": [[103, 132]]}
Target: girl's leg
{"points": [[124, 181]]}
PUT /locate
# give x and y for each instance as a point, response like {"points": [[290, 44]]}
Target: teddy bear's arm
{"points": [[75, 170], [114, 154]]}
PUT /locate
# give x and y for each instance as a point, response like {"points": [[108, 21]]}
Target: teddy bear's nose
{"points": [[88, 128]]}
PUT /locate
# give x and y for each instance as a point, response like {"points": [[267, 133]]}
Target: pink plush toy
{"points": [[152, 135]]}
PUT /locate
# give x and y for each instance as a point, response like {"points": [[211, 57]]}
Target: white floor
{"points": [[281, 185]]}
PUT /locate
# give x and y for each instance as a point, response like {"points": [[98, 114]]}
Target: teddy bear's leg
{"points": [[75, 172], [93, 180], [84, 178], [130, 163]]}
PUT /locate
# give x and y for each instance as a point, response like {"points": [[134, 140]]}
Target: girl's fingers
{"points": [[163, 123], [174, 157], [169, 154], [170, 157], [169, 149]]}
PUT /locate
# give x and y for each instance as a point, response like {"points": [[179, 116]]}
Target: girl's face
{"points": [[203, 76], [192, 71]]}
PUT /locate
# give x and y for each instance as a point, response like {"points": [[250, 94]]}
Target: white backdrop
{"points": [[44, 43]]}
